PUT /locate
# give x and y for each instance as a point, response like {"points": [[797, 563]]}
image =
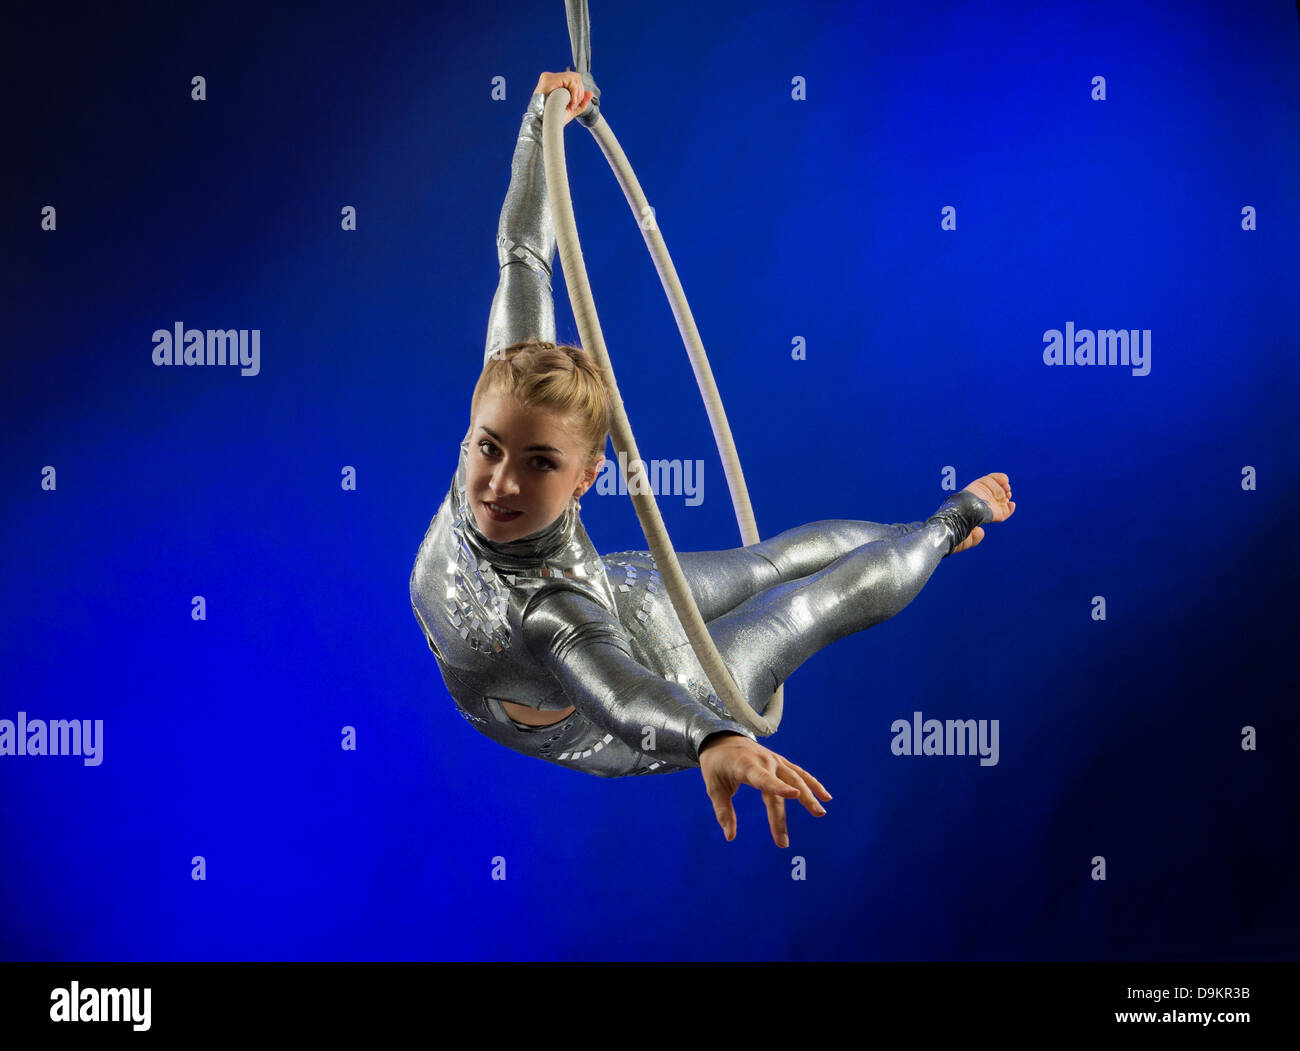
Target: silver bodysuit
{"points": [[546, 622]]}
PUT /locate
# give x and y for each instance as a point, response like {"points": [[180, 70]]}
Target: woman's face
{"points": [[523, 467]]}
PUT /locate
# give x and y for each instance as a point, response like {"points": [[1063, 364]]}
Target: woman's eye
{"points": [[490, 450]]}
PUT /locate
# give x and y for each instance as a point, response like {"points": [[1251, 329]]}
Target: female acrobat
{"points": [[557, 653]]}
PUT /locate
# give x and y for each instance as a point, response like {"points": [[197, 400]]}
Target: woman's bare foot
{"points": [[995, 490]]}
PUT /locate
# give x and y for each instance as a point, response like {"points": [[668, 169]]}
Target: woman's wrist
{"points": [[717, 736]]}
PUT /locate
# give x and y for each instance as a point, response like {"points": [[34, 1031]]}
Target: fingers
{"points": [[777, 779], [775, 792], [766, 781], [776, 818], [793, 778], [720, 789], [725, 813], [819, 790], [800, 779], [579, 97]]}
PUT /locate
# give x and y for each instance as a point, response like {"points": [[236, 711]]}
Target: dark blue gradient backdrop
{"points": [[818, 219]]}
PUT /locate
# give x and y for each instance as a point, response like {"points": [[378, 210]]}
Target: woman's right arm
{"points": [[522, 307]]}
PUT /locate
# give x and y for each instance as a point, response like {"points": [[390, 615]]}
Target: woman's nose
{"points": [[504, 481]]}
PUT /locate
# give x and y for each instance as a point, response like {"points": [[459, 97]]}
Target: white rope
{"points": [[584, 312]]}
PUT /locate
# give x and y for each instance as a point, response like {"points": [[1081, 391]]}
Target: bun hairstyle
{"points": [[563, 379]]}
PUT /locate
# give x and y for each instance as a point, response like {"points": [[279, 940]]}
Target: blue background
{"points": [[818, 219]]}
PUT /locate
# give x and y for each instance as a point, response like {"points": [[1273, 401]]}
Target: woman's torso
{"points": [[470, 600]]}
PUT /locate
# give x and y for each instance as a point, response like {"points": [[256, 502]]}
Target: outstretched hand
{"points": [[579, 97], [729, 760]]}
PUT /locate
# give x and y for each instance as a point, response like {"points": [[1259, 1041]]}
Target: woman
{"points": [[557, 653]]}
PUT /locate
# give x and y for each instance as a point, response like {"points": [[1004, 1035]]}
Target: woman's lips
{"points": [[499, 514]]}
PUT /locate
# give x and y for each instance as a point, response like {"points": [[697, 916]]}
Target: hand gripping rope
{"points": [[584, 312]]}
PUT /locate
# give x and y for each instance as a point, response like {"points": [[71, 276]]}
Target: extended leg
{"points": [[721, 580], [765, 638]]}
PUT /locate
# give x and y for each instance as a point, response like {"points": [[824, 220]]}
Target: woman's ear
{"points": [[590, 475]]}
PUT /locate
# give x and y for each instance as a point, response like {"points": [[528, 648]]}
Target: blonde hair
{"points": [[563, 379]]}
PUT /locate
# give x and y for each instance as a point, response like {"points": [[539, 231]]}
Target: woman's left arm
{"points": [[585, 647]]}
